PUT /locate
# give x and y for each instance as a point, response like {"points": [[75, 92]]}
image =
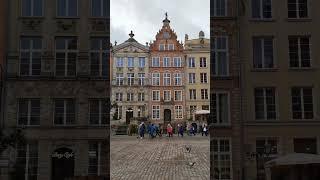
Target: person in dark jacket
{"points": [[180, 129], [142, 128], [152, 131]]}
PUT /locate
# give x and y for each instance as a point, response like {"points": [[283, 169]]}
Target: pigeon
{"points": [[188, 148], [191, 164]]}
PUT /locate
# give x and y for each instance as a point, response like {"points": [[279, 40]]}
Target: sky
{"points": [[144, 18]]}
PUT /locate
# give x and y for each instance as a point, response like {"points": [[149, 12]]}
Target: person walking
{"points": [[141, 129], [180, 129], [169, 130], [152, 131], [205, 130]]}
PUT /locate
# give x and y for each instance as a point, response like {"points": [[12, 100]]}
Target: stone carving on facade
{"points": [[99, 25], [31, 25], [66, 25]]}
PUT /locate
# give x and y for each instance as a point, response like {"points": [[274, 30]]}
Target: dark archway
{"points": [[129, 115], [62, 164], [167, 116]]}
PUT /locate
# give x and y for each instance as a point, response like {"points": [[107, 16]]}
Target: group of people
{"points": [[155, 130]]}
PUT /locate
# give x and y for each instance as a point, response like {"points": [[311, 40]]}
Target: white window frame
{"points": [[101, 53], [102, 9], [205, 94], [101, 106], [140, 62], [154, 59], [216, 56], [32, 9], [166, 62], [130, 79], [178, 111], [155, 79], [302, 102], [119, 96], [131, 65], [66, 52], [167, 77], [192, 79], [297, 10], [141, 79], [162, 45], [191, 62], [141, 96], [65, 112], [31, 51], [29, 111], [175, 92], [120, 78], [171, 45], [169, 95], [67, 9], [203, 62], [217, 108], [261, 11], [299, 53], [130, 96], [192, 94], [119, 62], [157, 95], [204, 77], [265, 104], [218, 153], [156, 108], [27, 159], [262, 40], [177, 78], [177, 62]]}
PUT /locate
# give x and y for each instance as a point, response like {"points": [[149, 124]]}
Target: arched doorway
{"points": [[167, 115], [129, 115], [62, 163]]}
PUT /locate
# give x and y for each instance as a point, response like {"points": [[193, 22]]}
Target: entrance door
{"points": [[62, 164], [167, 115], [129, 115]]}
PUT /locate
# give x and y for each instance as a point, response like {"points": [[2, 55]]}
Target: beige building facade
{"points": [[130, 81], [197, 76], [279, 43], [57, 88]]}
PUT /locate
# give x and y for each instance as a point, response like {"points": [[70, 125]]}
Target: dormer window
{"points": [[166, 35], [170, 47]]}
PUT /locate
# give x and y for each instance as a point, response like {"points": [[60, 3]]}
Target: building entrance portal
{"points": [[62, 163], [167, 116], [129, 115]]}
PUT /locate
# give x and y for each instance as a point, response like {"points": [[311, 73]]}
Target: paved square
{"points": [[160, 159]]}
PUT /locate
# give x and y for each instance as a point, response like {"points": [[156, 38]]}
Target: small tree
{"points": [[10, 139]]}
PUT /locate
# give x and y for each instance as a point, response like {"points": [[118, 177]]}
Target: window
{"points": [[67, 8], [220, 62], [96, 156], [302, 103], [130, 79], [220, 102], [141, 111], [140, 96], [263, 53], [191, 62], [66, 56], [192, 110], [155, 62], [170, 47], [30, 56], [204, 94], [177, 79], [141, 77], [130, 62], [166, 79], [261, 144], [64, 112], [99, 8], [305, 145], [129, 96], [155, 112], [178, 95], [119, 79], [222, 158], [203, 78], [29, 112], [161, 47], [27, 161], [155, 95], [297, 9], [192, 94], [299, 51], [32, 8], [156, 79], [261, 9], [205, 107], [166, 62], [119, 96], [265, 103], [142, 62], [219, 8], [98, 111], [98, 57], [203, 62], [178, 112], [177, 62], [192, 78], [118, 113], [119, 62], [167, 95]]}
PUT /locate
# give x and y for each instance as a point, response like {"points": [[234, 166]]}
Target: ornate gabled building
{"points": [[167, 91], [197, 77], [130, 82]]}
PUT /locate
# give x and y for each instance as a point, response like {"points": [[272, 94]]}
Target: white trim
{"points": [[158, 93], [216, 56], [217, 107], [168, 94]]}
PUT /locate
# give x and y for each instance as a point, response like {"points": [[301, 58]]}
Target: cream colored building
{"points": [[130, 81], [279, 49], [197, 75]]}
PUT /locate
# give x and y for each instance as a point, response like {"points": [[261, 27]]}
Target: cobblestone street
{"points": [[160, 158]]}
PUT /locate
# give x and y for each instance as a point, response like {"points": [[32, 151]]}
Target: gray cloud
{"points": [[145, 17]]}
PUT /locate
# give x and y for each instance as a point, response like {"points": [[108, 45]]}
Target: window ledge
{"points": [[265, 70], [31, 17], [302, 69], [66, 17], [223, 17], [299, 19], [262, 20]]}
